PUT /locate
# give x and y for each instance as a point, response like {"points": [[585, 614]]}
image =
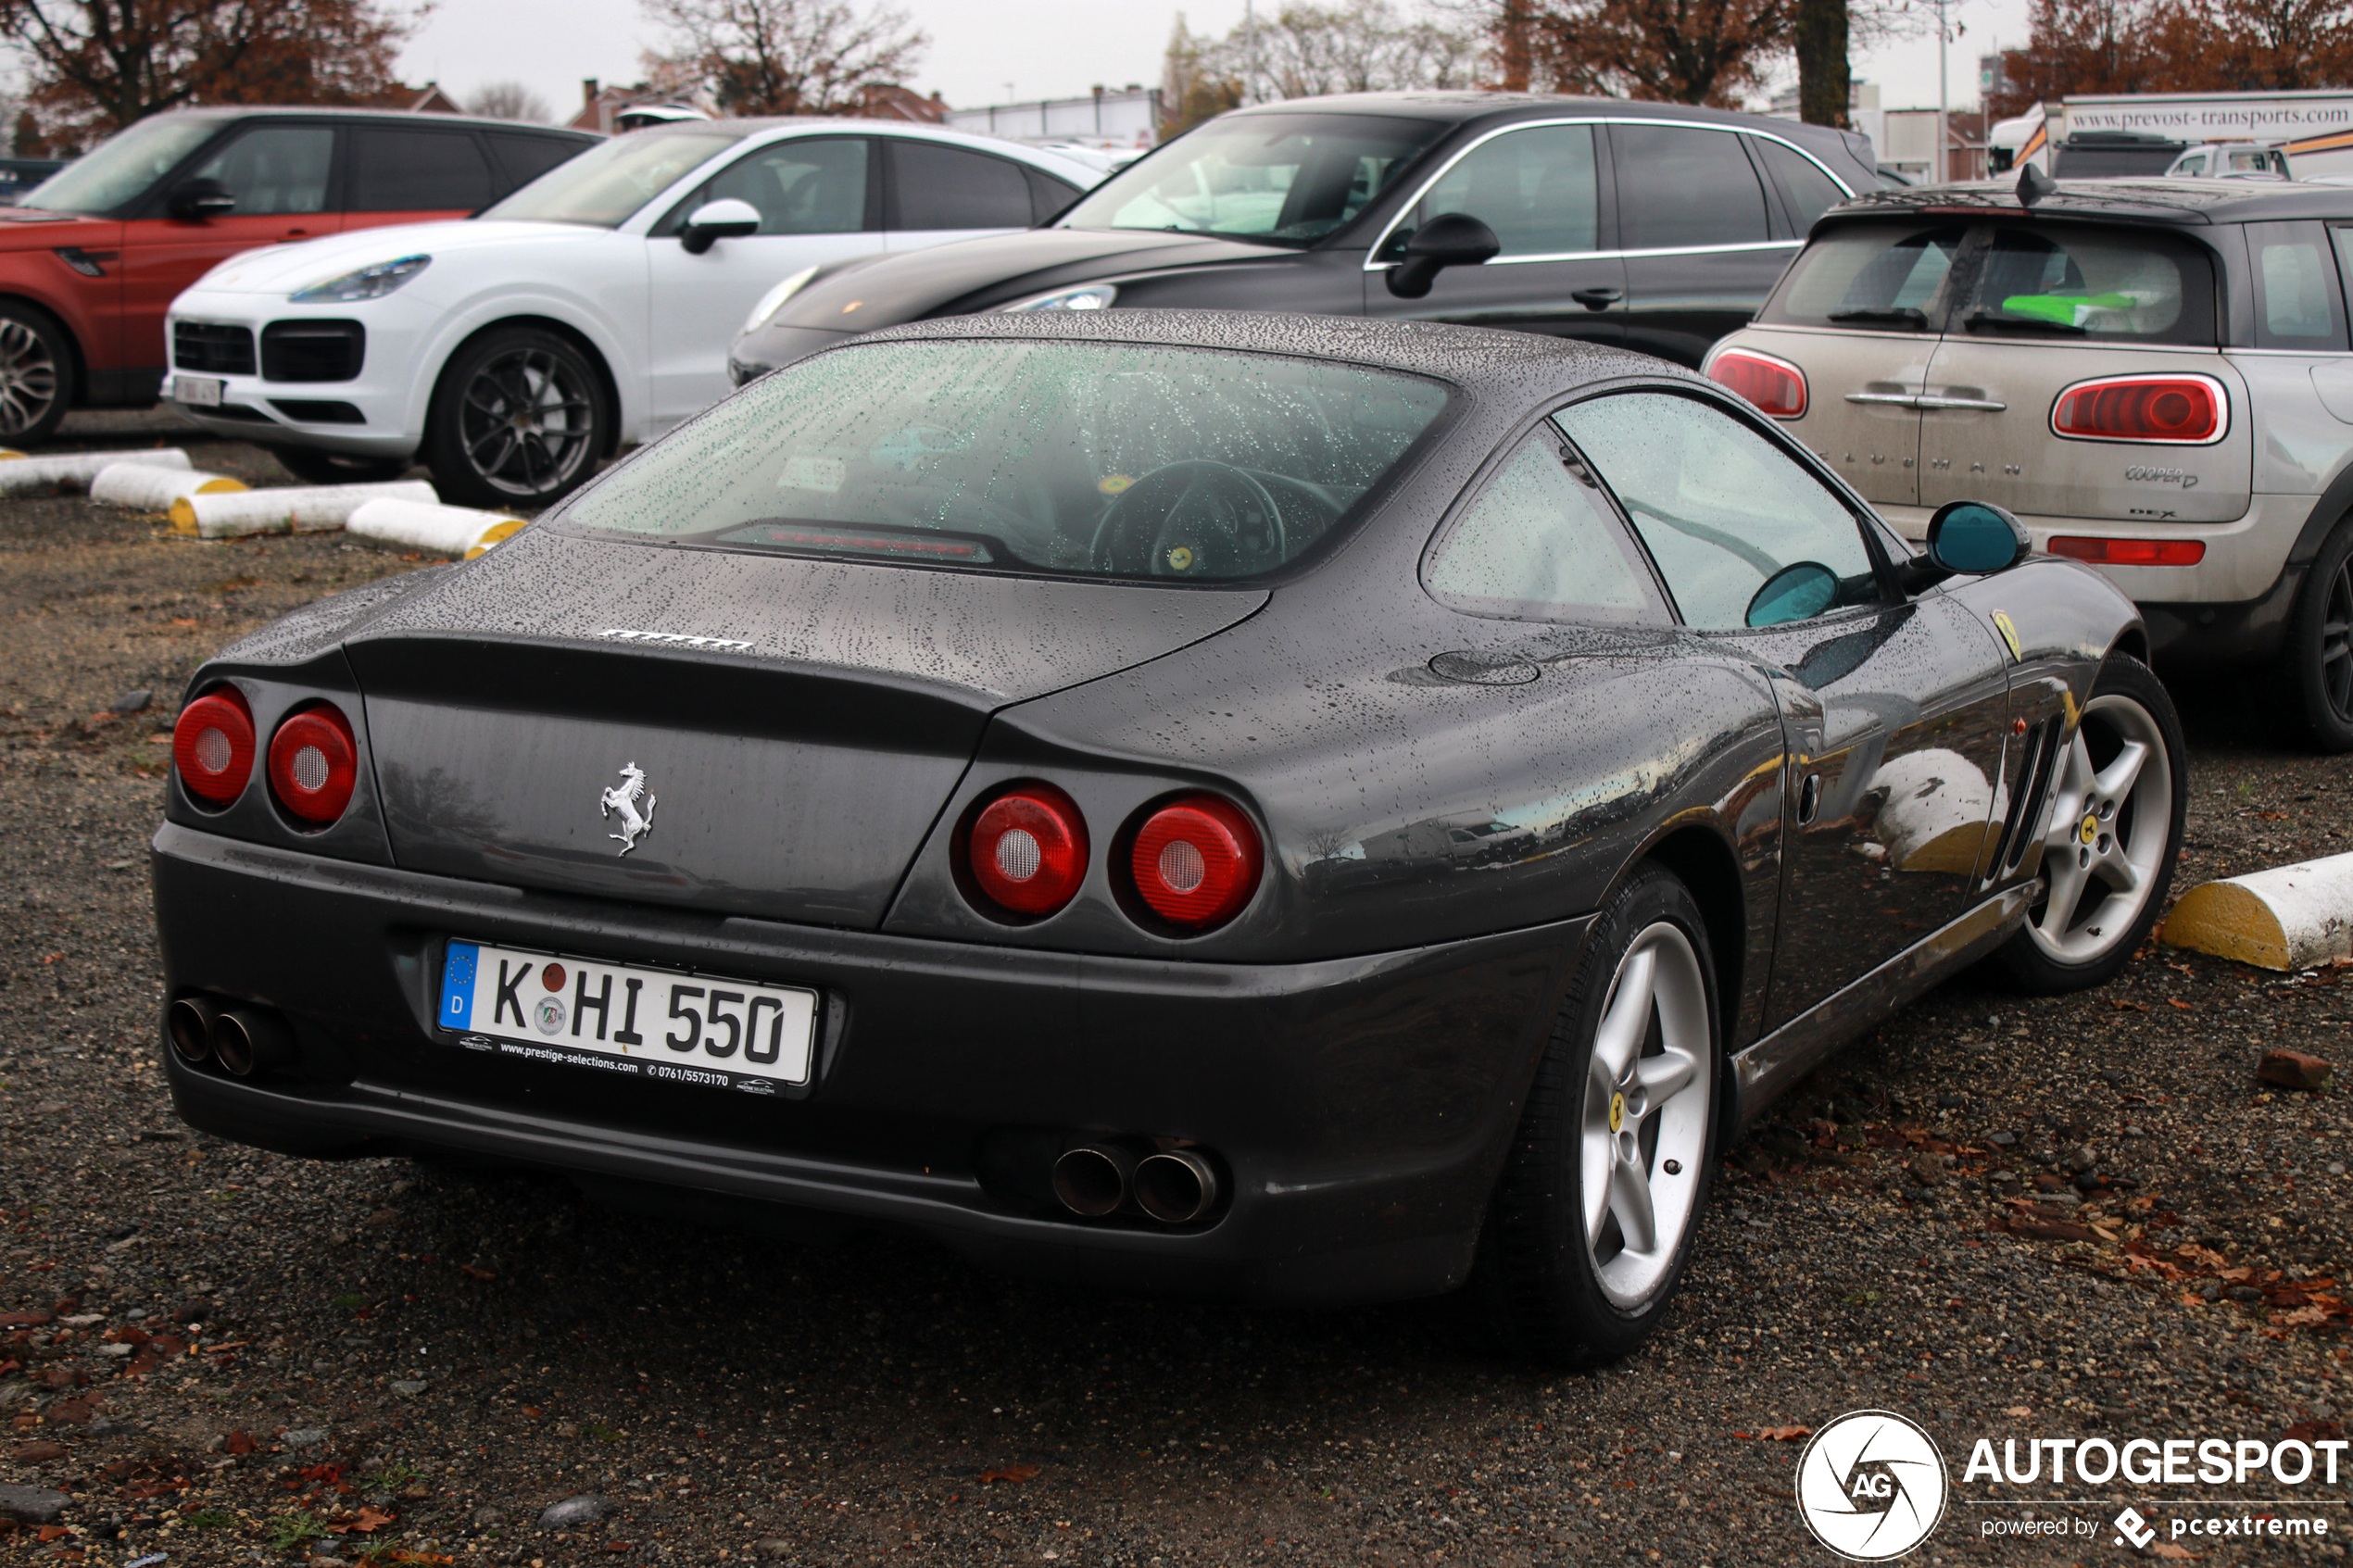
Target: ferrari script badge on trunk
{"points": [[636, 807]]}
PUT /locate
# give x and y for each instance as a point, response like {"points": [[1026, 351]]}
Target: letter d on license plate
{"points": [[642, 1023]]}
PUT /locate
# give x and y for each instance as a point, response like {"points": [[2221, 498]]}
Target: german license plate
{"points": [[203, 392], [649, 1023]]}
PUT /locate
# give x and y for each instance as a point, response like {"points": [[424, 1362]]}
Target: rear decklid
{"points": [[799, 724]]}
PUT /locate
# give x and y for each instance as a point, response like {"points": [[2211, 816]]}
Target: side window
{"points": [[405, 170], [1806, 190], [1047, 196], [1539, 543], [525, 157], [2092, 280], [1678, 186], [2296, 303], [812, 186], [275, 168], [1723, 511], [1535, 188], [937, 186]]}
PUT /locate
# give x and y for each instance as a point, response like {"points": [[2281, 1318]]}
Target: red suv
{"points": [[91, 259]]}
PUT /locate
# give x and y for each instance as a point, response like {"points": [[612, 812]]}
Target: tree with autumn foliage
{"points": [[2103, 47], [1672, 51], [96, 66], [781, 56]]}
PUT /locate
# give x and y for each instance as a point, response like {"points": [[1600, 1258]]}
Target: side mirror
{"points": [[1976, 537], [726, 219], [1454, 238], [193, 201], [1797, 592]]}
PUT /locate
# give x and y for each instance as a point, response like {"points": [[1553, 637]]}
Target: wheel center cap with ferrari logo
{"points": [[1617, 1112], [2091, 829]]}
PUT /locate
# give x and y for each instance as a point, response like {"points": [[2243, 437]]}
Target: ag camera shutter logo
{"points": [[1871, 1485]]}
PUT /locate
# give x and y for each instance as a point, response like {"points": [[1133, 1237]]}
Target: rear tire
{"points": [[2103, 893], [2320, 645], [36, 375], [518, 422], [312, 466], [1592, 1220]]}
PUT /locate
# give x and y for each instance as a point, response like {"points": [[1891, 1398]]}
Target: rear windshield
{"points": [[1873, 277], [1072, 458], [2098, 281]]}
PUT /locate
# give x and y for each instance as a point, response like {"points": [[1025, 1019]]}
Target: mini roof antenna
{"points": [[2034, 184]]}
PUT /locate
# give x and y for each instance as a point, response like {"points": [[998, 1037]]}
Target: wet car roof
{"points": [[1481, 359], [1464, 107], [2139, 201]]}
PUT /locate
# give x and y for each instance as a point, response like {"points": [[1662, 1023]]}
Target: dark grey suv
{"points": [[1650, 226]]}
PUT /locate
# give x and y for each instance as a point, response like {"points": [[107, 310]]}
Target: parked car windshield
{"points": [[1285, 178], [1875, 276], [1074, 458], [123, 167], [604, 185]]}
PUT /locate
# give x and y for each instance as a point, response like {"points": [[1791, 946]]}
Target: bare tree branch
{"points": [[782, 57]]}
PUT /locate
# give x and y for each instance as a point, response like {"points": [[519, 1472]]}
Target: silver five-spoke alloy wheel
{"points": [[29, 380], [2111, 818], [1643, 1133]]}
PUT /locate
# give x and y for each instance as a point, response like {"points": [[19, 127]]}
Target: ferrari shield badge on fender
{"points": [[2009, 635], [636, 807]]}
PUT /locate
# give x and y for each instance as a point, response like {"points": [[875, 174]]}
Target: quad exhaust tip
{"points": [[1096, 1180], [190, 1024], [241, 1040], [1175, 1187], [1093, 1180]]}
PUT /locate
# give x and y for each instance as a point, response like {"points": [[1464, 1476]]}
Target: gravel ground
{"points": [[226, 1355]]}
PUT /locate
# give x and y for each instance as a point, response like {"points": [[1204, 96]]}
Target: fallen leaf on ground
{"points": [[2168, 1549], [2019, 1412], [1009, 1473], [1778, 1434], [367, 1521]]}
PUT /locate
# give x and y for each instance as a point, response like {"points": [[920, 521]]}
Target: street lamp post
{"points": [[1943, 112]]}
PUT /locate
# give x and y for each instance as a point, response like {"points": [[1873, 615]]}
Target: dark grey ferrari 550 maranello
{"points": [[1305, 810]]}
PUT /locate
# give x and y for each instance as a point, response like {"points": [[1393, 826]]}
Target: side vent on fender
{"points": [[2038, 758]]}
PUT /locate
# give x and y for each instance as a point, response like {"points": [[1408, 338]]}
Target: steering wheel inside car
{"points": [[1192, 519]]}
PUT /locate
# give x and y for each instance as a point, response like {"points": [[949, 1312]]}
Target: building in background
{"points": [[1127, 121], [1905, 140]]}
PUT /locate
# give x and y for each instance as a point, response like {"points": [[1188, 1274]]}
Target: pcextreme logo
{"points": [[1871, 1485]]}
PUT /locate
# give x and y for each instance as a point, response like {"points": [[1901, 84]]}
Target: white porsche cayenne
{"points": [[590, 309]]}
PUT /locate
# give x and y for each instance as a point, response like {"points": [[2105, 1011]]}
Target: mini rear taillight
{"points": [[2179, 410], [2130, 552], [212, 746], [1776, 386], [314, 763], [1196, 862], [1027, 850]]}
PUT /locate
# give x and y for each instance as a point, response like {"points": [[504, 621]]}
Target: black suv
{"points": [[1653, 226]]}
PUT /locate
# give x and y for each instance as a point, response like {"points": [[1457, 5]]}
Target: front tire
{"points": [[2320, 649], [1592, 1225], [518, 422], [36, 375], [312, 466], [2121, 792]]}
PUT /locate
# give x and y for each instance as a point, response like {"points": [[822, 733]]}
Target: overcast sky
{"points": [[1004, 50]]}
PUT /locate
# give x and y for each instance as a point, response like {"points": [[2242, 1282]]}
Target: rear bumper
{"points": [[1361, 1106], [2244, 557]]}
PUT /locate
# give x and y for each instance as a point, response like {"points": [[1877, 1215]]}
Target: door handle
{"points": [[1597, 299], [1926, 400], [1809, 799]]}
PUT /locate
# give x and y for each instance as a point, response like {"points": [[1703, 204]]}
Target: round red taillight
{"points": [[212, 746], [1196, 862], [1775, 386], [2141, 409], [313, 764], [1029, 849]]}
